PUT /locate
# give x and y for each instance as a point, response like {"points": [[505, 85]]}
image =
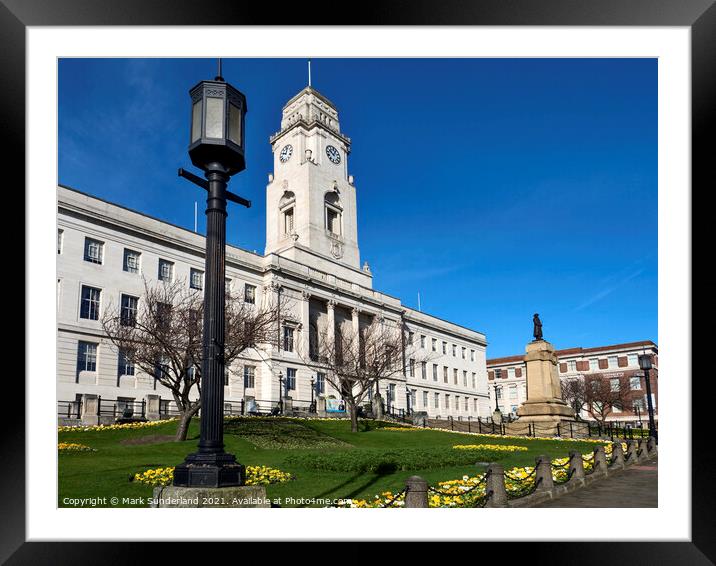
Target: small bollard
{"points": [[416, 493], [495, 487], [631, 456], [600, 460], [617, 455], [651, 445], [576, 465], [543, 475], [642, 450]]}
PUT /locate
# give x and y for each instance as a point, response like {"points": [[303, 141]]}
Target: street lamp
{"points": [[408, 399], [645, 364], [497, 406], [281, 392], [216, 146]]}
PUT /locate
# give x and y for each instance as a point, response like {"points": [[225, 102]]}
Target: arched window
{"points": [[286, 207], [333, 213]]}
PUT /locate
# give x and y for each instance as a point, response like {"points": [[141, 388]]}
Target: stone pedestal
{"points": [[90, 406], [194, 497], [377, 403], [544, 391], [497, 417], [288, 406], [153, 409]]}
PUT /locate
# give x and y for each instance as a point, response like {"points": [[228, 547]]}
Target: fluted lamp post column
{"points": [[216, 147]]}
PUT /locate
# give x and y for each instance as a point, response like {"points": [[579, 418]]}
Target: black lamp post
{"points": [[216, 146], [313, 389], [497, 406], [645, 364], [408, 399], [281, 393]]}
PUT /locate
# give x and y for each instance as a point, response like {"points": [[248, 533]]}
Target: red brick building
{"points": [[618, 363]]}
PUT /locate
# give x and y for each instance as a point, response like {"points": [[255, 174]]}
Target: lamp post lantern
{"points": [[645, 364], [216, 146]]}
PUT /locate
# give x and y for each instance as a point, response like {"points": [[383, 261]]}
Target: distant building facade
{"points": [[618, 363], [311, 261]]}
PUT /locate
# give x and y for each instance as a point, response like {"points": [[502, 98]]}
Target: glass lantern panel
{"points": [[235, 124], [214, 117], [196, 121]]}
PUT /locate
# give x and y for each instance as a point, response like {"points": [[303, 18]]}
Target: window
{"points": [[128, 311], [227, 285], [60, 234], [320, 383], [447, 401], [638, 404], [614, 384], [635, 382], [86, 356], [467, 404], [436, 400], [131, 261], [422, 341], [510, 373], [166, 271], [454, 350], [435, 345], [288, 222], [612, 361], [163, 315], [411, 337], [498, 392], [161, 369], [411, 367], [472, 355], [571, 365], [291, 379], [249, 377], [249, 294], [288, 338], [633, 360], [463, 352], [425, 399], [498, 373], [435, 372], [196, 279], [457, 402], [474, 405], [333, 213], [424, 369], [474, 377], [593, 364], [93, 250], [454, 376], [513, 392], [445, 374], [89, 306], [444, 348], [464, 378], [125, 365]]}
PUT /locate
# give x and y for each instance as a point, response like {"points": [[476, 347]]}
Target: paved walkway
{"points": [[636, 486]]}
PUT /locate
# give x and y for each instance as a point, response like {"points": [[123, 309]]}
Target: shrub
{"points": [[389, 461]]}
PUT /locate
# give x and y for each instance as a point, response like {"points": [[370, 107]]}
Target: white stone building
{"points": [[311, 260]]}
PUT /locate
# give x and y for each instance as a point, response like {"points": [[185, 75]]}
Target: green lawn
{"points": [[285, 444]]}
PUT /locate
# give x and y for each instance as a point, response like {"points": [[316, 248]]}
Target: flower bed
{"points": [[255, 475], [125, 426], [73, 447], [497, 447]]}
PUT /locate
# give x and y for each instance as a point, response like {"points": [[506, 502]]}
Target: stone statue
{"points": [[537, 327]]}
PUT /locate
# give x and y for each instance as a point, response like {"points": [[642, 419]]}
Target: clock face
{"points": [[286, 153], [333, 154]]}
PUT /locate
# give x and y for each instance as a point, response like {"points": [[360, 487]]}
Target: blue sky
{"points": [[496, 188]]}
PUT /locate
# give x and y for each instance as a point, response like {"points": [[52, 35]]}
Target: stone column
{"points": [[576, 465], [305, 344], [416, 495], [495, 487], [331, 308], [153, 407], [543, 475], [90, 404], [617, 455], [321, 406], [600, 460]]}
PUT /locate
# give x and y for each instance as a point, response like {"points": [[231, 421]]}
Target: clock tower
{"points": [[310, 198]]}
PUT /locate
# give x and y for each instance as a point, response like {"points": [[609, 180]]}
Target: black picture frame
{"points": [[698, 15]]}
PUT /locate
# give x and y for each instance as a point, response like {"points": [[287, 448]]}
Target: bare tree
{"points": [[574, 394], [602, 395], [353, 362], [162, 335]]}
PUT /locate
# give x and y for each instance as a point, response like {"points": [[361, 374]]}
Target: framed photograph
{"points": [[389, 240]]}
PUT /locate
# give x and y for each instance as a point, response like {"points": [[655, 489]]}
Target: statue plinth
{"points": [[544, 391]]}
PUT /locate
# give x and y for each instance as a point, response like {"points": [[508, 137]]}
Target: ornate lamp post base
{"points": [[209, 470]]}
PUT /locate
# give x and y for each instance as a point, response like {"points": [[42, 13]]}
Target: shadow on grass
{"points": [[379, 474]]}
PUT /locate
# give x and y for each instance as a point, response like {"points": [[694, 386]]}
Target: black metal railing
{"points": [[121, 408], [69, 409]]}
